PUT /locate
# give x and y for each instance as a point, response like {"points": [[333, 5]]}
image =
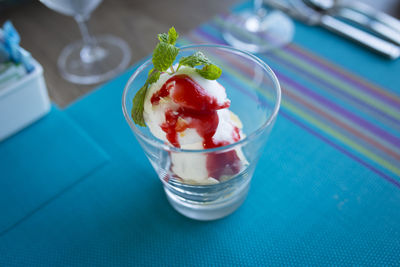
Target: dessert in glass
{"points": [[202, 123]]}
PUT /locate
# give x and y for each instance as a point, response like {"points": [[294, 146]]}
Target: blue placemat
{"points": [[338, 213], [40, 162], [315, 199]]}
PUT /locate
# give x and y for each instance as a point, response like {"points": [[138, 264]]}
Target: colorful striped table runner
{"points": [[346, 111]]}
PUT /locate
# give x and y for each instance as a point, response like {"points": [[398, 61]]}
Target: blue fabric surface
{"points": [[296, 214], [339, 213], [309, 203], [40, 162]]}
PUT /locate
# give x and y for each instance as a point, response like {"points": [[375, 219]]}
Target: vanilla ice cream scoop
{"points": [[190, 112]]}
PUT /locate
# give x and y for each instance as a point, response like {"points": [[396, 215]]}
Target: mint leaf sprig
{"points": [[138, 100], [163, 59], [209, 70], [194, 60], [165, 52]]}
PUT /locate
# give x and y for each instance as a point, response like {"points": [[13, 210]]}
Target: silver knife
{"points": [[368, 40], [372, 13], [382, 30]]}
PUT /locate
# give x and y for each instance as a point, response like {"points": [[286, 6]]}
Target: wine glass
{"points": [[92, 59], [258, 29]]}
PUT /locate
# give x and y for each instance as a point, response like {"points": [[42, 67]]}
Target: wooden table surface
{"points": [[44, 32]]}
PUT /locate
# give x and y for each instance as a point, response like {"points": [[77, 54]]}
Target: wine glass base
{"points": [[111, 56], [247, 31]]}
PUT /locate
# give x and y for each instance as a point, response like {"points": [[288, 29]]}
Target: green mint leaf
{"points": [[210, 72], [196, 59], [163, 37], [153, 76], [164, 55], [172, 36], [169, 37], [138, 100], [138, 106]]}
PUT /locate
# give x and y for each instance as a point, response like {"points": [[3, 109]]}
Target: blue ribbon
{"points": [[10, 49]]}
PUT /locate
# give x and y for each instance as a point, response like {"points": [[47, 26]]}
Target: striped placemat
{"points": [[346, 111]]}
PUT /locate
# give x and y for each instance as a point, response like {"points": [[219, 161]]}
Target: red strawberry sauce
{"points": [[197, 110]]}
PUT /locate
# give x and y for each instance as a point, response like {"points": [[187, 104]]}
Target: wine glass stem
{"points": [[89, 51], [254, 22], [257, 4], [259, 9], [87, 39]]}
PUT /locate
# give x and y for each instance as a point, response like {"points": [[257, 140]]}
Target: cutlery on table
{"points": [[372, 13], [379, 28], [302, 12]]}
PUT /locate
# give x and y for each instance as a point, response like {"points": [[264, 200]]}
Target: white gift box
{"points": [[23, 102]]}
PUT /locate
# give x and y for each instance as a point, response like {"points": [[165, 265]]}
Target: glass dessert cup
{"points": [[255, 96]]}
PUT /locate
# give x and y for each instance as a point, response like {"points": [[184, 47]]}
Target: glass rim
{"points": [[159, 143]]}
